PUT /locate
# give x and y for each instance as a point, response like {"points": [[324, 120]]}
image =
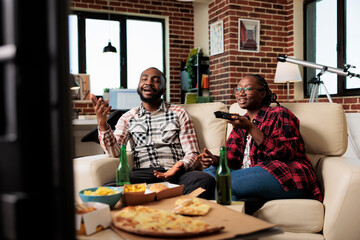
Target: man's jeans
{"points": [[190, 179]]}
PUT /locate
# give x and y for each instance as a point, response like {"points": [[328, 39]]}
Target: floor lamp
{"points": [[286, 73]]}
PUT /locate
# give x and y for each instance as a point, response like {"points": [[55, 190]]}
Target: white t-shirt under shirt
{"points": [[247, 161]]}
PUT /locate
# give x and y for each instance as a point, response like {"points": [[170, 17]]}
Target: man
{"points": [[162, 138]]}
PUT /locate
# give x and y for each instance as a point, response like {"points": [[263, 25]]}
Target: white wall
{"points": [[353, 122], [299, 44], [201, 26]]}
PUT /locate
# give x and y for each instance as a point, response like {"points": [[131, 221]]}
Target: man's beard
{"points": [[152, 99]]}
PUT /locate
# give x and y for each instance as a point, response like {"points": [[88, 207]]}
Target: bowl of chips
{"points": [[107, 195]]}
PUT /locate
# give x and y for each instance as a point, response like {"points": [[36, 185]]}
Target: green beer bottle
{"points": [[123, 170], [223, 180]]}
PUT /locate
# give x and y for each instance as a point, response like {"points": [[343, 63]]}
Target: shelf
{"points": [[192, 89], [201, 67]]}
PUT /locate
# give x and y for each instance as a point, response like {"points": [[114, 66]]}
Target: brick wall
{"points": [[276, 37], [350, 104], [181, 28], [83, 107], [226, 69]]}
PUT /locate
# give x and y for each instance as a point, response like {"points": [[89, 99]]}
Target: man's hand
{"points": [[171, 172], [102, 110], [207, 158]]}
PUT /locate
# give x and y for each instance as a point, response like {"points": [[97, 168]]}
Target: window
{"points": [[144, 48], [331, 36], [103, 68], [352, 40], [73, 45], [139, 43]]}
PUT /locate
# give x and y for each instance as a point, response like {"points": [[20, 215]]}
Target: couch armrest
{"points": [[341, 182], [94, 171]]}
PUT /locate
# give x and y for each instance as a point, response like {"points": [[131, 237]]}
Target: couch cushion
{"points": [[322, 126], [294, 215], [210, 131]]}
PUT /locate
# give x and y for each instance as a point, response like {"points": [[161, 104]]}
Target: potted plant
{"points": [[106, 94], [191, 66]]}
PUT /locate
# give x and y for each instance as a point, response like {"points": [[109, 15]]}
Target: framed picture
{"points": [[216, 38], [249, 35]]}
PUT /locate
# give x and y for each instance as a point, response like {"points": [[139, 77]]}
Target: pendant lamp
{"points": [[109, 48]]}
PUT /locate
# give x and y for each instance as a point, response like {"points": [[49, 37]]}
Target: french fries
{"points": [[101, 191], [134, 187]]}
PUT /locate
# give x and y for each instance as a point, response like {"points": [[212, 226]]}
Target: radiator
{"points": [[82, 149]]}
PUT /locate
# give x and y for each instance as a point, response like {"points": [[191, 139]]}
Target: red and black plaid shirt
{"points": [[281, 153]]}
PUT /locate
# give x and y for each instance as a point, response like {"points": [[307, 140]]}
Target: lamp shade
{"points": [[287, 72], [109, 48], [74, 85]]}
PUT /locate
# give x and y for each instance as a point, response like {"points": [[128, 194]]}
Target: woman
{"points": [[266, 152]]}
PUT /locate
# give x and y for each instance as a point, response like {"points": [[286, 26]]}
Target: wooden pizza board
{"points": [[235, 223]]}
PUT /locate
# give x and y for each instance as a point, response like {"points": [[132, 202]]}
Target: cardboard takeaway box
{"points": [[94, 221], [136, 198], [237, 225]]}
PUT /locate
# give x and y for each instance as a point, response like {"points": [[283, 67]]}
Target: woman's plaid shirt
{"points": [[157, 139], [281, 153]]}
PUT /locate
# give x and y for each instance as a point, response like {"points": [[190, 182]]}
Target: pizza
{"points": [[158, 187], [144, 220], [191, 206]]}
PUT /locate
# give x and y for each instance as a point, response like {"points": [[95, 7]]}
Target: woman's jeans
{"points": [[257, 182]]}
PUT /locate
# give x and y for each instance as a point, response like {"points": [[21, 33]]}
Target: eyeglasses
{"points": [[247, 90]]}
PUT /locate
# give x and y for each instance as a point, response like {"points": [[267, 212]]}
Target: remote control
{"points": [[224, 115]]}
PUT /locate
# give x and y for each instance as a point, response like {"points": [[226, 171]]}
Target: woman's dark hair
{"points": [[270, 96]]}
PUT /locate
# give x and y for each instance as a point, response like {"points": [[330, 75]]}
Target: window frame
{"points": [[83, 15], [340, 47]]}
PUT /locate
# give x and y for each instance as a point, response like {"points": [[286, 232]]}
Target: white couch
{"points": [[323, 127]]}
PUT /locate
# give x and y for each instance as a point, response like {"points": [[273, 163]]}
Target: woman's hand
{"points": [[102, 110], [240, 122], [207, 159], [171, 172], [244, 123]]}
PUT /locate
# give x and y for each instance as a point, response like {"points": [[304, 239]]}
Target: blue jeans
{"points": [[257, 182]]}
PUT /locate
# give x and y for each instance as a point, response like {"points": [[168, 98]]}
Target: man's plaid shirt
{"points": [[281, 153], [158, 139]]}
